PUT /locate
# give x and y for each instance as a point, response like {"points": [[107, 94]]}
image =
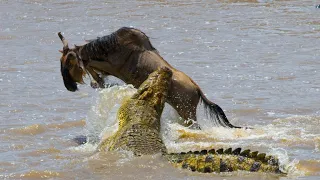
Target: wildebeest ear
{"points": [[61, 51]]}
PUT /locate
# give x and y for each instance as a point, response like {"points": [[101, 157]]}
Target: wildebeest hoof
{"points": [[195, 126], [111, 84], [94, 85]]}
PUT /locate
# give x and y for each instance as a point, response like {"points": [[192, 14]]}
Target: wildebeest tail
{"points": [[215, 112]]}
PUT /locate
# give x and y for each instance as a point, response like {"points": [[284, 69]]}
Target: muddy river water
{"points": [[258, 59]]}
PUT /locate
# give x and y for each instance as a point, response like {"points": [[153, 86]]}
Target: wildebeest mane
{"points": [[130, 38], [101, 46]]}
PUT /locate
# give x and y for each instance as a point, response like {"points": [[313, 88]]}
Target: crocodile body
{"points": [[224, 161], [139, 132], [139, 117]]}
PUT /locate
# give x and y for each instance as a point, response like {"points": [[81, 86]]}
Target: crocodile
{"points": [[139, 132]]}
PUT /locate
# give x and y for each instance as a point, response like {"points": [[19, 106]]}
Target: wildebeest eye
{"points": [[70, 60]]}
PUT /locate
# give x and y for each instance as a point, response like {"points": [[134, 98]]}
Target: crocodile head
{"points": [[154, 90]]}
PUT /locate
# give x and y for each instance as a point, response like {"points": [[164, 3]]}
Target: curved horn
{"points": [[64, 41]]}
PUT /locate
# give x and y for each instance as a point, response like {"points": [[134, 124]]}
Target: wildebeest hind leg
{"points": [[187, 113]]}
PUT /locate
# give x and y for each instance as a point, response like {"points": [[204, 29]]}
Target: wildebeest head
{"points": [[71, 66]]}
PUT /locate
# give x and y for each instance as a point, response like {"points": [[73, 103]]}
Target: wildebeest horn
{"points": [[64, 41]]}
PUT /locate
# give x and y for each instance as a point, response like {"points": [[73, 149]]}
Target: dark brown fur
{"points": [[129, 55]]}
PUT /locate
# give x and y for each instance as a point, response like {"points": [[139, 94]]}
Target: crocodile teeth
{"points": [[228, 151], [203, 152], [236, 151], [220, 151], [245, 153], [261, 156], [212, 151], [254, 154]]}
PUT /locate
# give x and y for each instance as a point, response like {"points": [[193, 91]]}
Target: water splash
{"points": [[102, 117], [275, 139]]}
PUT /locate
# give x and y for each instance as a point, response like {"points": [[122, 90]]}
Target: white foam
{"points": [[86, 148], [271, 139], [101, 120]]}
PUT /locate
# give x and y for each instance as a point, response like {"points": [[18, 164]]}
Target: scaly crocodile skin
{"points": [[224, 161], [139, 132], [139, 117]]}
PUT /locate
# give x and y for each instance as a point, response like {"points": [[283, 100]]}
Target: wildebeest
{"points": [[129, 55]]}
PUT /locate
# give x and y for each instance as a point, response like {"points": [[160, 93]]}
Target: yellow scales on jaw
{"points": [[139, 132]]}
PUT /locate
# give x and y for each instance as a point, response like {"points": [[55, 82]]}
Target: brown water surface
{"points": [[258, 59]]}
